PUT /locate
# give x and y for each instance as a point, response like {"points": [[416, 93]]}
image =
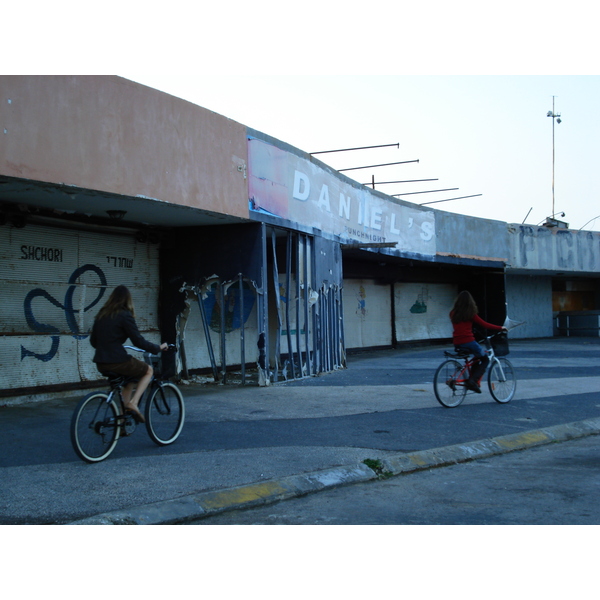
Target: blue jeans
{"points": [[473, 348], [479, 366]]}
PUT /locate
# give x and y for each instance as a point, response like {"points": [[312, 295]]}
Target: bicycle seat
{"points": [[116, 379], [459, 353]]}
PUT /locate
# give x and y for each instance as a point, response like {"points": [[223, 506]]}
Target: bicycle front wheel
{"points": [[94, 427], [502, 381], [448, 384], [165, 414]]}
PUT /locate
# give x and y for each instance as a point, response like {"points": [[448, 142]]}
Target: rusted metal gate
{"points": [[282, 312], [305, 286], [223, 310]]}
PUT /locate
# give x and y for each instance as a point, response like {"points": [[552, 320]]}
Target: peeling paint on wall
{"points": [[427, 316], [361, 298], [544, 248], [285, 185], [367, 314]]}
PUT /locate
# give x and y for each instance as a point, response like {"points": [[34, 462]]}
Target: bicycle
{"points": [[449, 381], [100, 420]]}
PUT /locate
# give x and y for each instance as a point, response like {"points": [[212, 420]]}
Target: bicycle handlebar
{"points": [[487, 337], [171, 347]]}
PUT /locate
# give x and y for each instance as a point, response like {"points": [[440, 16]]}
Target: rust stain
{"points": [[471, 256]]}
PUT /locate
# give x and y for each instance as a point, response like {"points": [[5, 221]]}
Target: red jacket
{"points": [[463, 331]]}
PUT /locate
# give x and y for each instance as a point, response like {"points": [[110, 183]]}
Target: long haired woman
{"points": [[114, 324], [464, 315]]}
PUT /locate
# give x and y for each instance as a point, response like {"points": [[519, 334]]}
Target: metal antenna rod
{"points": [[405, 181], [383, 165], [448, 199], [349, 149], [426, 192], [598, 217]]}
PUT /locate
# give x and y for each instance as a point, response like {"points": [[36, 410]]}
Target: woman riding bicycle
{"points": [[114, 324], [463, 316]]}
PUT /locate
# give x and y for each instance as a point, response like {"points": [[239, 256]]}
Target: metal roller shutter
{"points": [[54, 281]]}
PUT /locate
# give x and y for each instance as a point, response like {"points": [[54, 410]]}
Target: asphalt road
{"points": [[556, 484], [381, 406]]}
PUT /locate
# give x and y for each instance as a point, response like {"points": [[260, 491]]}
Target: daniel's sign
{"points": [[294, 188]]}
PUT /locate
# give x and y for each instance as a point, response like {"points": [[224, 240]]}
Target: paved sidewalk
{"points": [[243, 446]]}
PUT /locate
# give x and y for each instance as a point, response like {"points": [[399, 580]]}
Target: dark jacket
{"points": [[110, 333]]}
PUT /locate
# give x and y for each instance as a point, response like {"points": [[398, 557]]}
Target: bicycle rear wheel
{"points": [[165, 414], [502, 381], [448, 385], [94, 427]]}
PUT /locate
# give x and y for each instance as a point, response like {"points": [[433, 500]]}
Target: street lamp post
{"points": [[555, 117]]}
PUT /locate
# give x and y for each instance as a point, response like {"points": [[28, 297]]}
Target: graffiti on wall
{"points": [[67, 306], [420, 305], [54, 282], [361, 298]]}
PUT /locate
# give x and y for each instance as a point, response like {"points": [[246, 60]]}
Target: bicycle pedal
{"points": [[128, 426]]}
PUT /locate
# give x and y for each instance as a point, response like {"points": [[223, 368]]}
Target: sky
{"points": [[487, 137], [462, 89]]}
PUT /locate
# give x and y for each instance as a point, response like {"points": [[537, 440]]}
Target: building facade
{"points": [[242, 250]]}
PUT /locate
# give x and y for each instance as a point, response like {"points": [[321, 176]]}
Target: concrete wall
{"points": [[110, 134], [422, 310], [367, 314], [460, 235], [553, 249], [529, 299]]}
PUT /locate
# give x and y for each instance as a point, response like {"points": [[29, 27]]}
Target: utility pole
{"points": [[555, 117]]}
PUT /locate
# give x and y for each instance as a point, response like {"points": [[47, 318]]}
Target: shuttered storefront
{"points": [[367, 314], [54, 281], [420, 312]]}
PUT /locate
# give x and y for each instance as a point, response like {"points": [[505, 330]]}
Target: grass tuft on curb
{"points": [[375, 465]]}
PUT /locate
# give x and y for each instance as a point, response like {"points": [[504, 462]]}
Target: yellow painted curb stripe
{"points": [[243, 495], [418, 459], [525, 439]]}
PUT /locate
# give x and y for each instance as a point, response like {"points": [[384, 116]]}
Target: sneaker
{"points": [[471, 385]]}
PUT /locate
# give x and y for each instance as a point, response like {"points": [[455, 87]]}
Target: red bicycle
{"points": [[449, 381]]}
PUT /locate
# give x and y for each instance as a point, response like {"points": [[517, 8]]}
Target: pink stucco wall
{"points": [[111, 134]]}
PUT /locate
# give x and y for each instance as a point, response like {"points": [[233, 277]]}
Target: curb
{"points": [[205, 504], [197, 506], [450, 455]]}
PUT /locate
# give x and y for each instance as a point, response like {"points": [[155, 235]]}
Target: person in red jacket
{"points": [[114, 324], [463, 316]]}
